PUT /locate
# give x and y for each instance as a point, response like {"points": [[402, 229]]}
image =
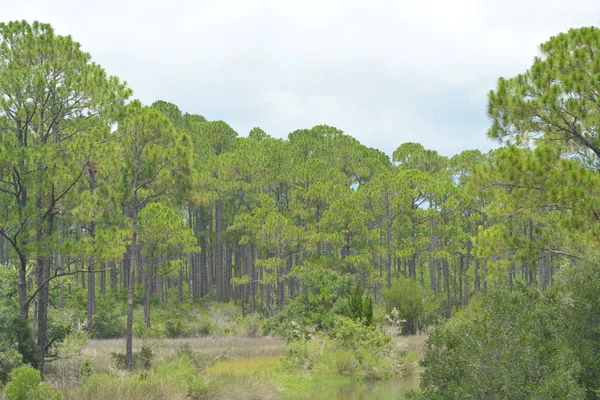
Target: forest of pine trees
{"points": [[102, 193]]}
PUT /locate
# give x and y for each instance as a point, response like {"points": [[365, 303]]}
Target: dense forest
{"points": [[109, 206]]}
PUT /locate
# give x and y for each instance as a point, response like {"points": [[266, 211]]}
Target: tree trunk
{"points": [[388, 244], [44, 264], [131, 279], [447, 285], [147, 295], [91, 298], [219, 249]]}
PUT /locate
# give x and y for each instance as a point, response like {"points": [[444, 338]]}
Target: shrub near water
{"points": [[350, 348]]}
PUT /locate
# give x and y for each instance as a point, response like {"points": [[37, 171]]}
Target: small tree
{"points": [[355, 302], [368, 310], [406, 296], [360, 306]]}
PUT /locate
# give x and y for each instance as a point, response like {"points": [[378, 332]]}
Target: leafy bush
{"points": [[508, 345], [109, 319], [349, 348], [360, 307], [406, 296], [16, 344], [25, 384], [141, 359], [324, 295]]}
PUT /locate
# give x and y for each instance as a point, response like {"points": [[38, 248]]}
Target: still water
{"points": [[388, 390]]}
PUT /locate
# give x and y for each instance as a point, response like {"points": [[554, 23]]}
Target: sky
{"points": [[384, 72]]}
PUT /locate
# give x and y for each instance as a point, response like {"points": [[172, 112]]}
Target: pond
{"points": [[388, 390]]}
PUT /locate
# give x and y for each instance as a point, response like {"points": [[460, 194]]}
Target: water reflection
{"points": [[388, 390]]}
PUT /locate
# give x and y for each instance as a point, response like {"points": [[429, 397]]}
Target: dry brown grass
{"points": [[411, 343]]}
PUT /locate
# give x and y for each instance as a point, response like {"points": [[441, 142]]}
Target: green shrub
{"points": [[360, 307], [508, 345], [350, 348], [406, 296], [25, 384], [141, 360], [174, 327], [109, 319], [86, 370], [324, 295]]}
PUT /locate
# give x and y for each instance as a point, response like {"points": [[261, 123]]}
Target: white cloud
{"points": [[383, 71]]}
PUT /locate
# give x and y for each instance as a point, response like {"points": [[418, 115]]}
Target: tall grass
{"points": [[67, 373]]}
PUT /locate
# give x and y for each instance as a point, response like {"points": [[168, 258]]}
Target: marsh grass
{"points": [[120, 389], [225, 368], [412, 344], [70, 372]]}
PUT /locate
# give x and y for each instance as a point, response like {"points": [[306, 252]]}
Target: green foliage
{"points": [[142, 360], [555, 98], [406, 296], [306, 217], [349, 348], [10, 351], [581, 318], [109, 319], [86, 369], [355, 303], [508, 345], [177, 377], [368, 311], [25, 384], [323, 295], [163, 235], [360, 307]]}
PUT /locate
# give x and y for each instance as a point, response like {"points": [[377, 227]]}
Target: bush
{"points": [[109, 320], [25, 384], [508, 345], [324, 295], [406, 296], [350, 348], [141, 359]]}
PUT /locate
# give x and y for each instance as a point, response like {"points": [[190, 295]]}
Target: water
{"points": [[388, 390]]}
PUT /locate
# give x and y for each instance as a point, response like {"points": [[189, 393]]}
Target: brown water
{"points": [[377, 390]]}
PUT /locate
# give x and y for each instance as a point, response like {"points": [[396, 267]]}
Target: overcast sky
{"points": [[385, 72]]}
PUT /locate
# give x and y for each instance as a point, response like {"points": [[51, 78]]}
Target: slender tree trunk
{"points": [[466, 280], [131, 279], [253, 279], [91, 298], [180, 286], [447, 284], [44, 264], [147, 295], [195, 256], [219, 249], [102, 280], [388, 243], [204, 282], [477, 282], [160, 285], [460, 280], [432, 271], [227, 271]]}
